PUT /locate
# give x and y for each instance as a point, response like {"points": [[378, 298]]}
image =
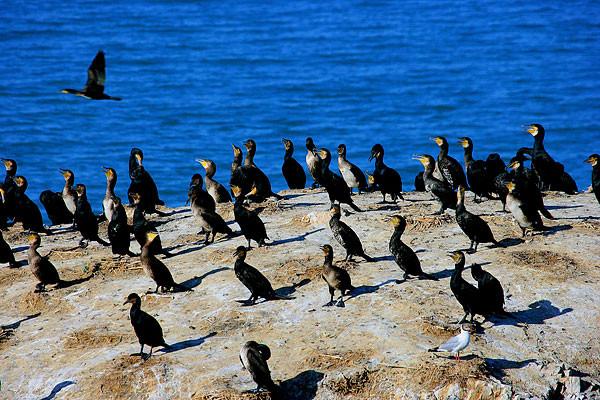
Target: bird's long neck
{"points": [[135, 309], [538, 143], [328, 263], [443, 150], [468, 155], [379, 162], [398, 231], [249, 160], [110, 187], [289, 152], [428, 170], [210, 172]]}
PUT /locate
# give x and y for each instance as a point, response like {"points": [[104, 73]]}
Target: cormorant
{"points": [[41, 267], [256, 282], [156, 269], [336, 187], [69, 195], [472, 225], [457, 343], [387, 179], [528, 181], [404, 256], [258, 177], [86, 221], [142, 183], [313, 162], [594, 160], [10, 189], [252, 227], [26, 211], [440, 189], [118, 230], [523, 210], [353, 176], [200, 199], [291, 169], [55, 208], [6, 254], [466, 294], [94, 86], [345, 236], [497, 177], [419, 184], [490, 289], [141, 227], [108, 204], [476, 170], [449, 168], [214, 188], [336, 278], [253, 357], [146, 327]]}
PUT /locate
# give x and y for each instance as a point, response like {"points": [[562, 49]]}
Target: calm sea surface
{"points": [[197, 76]]}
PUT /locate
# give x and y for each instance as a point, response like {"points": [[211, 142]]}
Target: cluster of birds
{"points": [[519, 189]]}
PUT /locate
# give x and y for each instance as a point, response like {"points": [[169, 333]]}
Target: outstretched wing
{"points": [[96, 74]]}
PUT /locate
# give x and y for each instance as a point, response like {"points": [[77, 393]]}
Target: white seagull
{"points": [[457, 343]]}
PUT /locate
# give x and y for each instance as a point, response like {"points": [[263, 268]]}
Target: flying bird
{"points": [[94, 86]]}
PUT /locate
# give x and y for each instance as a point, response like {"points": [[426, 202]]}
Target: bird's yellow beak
{"points": [[533, 130]]}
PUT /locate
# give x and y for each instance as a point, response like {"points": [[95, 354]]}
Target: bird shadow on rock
{"points": [[383, 258], [57, 389], [537, 313], [381, 206], [551, 230], [189, 249], [497, 366], [447, 356], [367, 289], [197, 280], [20, 249], [16, 324], [303, 386], [298, 238], [509, 242], [288, 290], [563, 207], [73, 282], [303, 205], [186, 344], [445, 273]]}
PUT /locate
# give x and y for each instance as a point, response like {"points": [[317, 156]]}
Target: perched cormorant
{"points": [[200, 199], [472, 225], [490, 290], [449, 168], [466, 294], [69, 195], [336, 187], [256, 282], [26, 211], [156, 269], [141, 227], [257, 177], [55, 208], [552, 174], [203, 209], [108, 203], [146, 327], [528, 181], [10, 189], [345, 236], [41, 267], [440, 189], [336, 278], [86, 221], [457, 343], [214, 188], [291, 169], [252, 227], [387, 179], [6, 254], [523, 209], [594, 160], [142, 183], [118, 230], [419, 183], [353, 175], [253, 357], [94, 86], [404, 256], [313, 162], [497, 177], [476, 170]]}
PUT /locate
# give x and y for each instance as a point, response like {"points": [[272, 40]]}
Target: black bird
{"points": [[528, 181], [252, 227], [253, 357], [353, 176], [257, 177], [69, 195], [419, 183], [200, 199], [86, 221], [490, 290], [256, 282], [497, 177], [336, 187], [141, 227], [108, 204], [6, 254], [156, 269], [10, 189], [440, 189], [214, 188], [336, 278], [238, 172], [594, 160], [386, 179], [466, 294], [552, 174], [313, 162], [345, 236], [472, 225], [26, 211], [449, 168], [523, 209], [204, 211], [118, 230], [142, 183], [94, 86], [291, 169], [146, 327], [404, 256], [41, 267], [55, 208], [476, 170], [3, 211]]}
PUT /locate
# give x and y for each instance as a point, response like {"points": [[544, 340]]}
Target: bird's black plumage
{"points": [[216, 190], [141, 227], [476, 170], [118, 230], [6, 254], [594, 161], [523, 209], [528, 181], [143, 183], [335, 277], [85, 219], [253, 357], [449, 168], [353, 175], [41, 267], [146, 327], [94, 86], [252, 227], [497, 176], [345, 236], [490, 290], [156, 269], [55, 207], [466, 294], [292, 171], [440, 189], [404, 256], [9, 188], [387, 180], [258, 285], [336, 187], [313, 162], [25, 210], [476, 229]]}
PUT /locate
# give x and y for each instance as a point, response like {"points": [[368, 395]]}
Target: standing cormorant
{"points": [[108, 203], [466, 294], [404, 256], [472, 225], [86, 221], [55, 208], [118, 230], [476, 170], [336, 187], [252, 227], [345, 236], [6, 254], [336, 278], [214, 188], [41, 267], [26, 211], [490, 290], [256, 282], [253, 357], [141, 227], [440, 189], [10, 189], [523, 209], [142, 183], [94, 86], [449, 168], [419, 183], [69, 195], [594, 160], [291, 169], [497, 177], [528, 181], [313, 162], [386, 179], [353, 176], [258, 178], [146, 327], [156, 269]]}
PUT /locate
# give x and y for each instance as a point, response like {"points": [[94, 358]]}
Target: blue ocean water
{"points": [[197, 76]]}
